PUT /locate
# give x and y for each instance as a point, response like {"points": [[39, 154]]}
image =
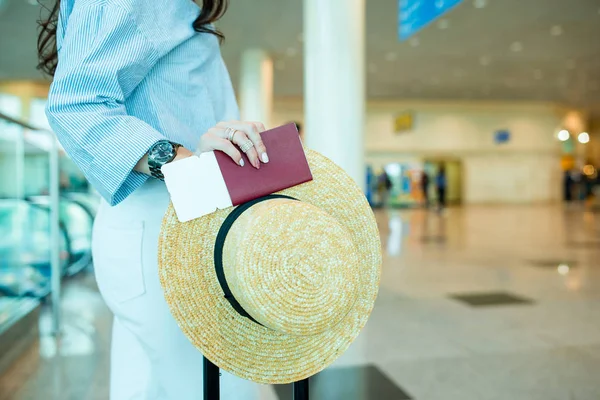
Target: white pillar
{"points": [[334, 57], [256, 86]]}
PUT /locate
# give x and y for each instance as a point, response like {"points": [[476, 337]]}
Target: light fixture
{"points": [[291, 51], [479, 3], [414, 42], [516, 47], [443, 24], [393, 169], [564, 135], [583, 137], [556, 30], [563, 269], [391, 56], [485, 60], [589, 170]]}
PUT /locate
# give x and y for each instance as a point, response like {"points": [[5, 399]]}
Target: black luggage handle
{"points": [[212, 387]]}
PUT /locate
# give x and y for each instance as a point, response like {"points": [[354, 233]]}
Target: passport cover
{"points": [[287, 167]]}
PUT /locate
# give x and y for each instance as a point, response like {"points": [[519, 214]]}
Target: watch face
{"points": [[162, 152]]}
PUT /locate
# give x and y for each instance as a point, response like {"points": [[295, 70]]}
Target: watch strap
{"points": [[156, 172], [155, 168]]}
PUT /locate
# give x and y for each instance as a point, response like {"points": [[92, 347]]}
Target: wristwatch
{"points": [[161, 153]]}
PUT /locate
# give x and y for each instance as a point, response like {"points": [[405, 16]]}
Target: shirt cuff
{"points": [[113, 175]]}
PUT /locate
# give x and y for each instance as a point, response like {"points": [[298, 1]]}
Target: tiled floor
{"points": [[419, 339]]}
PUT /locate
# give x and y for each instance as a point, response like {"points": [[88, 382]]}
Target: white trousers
{"points": [[151, 359]]}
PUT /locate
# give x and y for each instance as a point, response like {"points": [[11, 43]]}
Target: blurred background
{"points": [[473, 127]]}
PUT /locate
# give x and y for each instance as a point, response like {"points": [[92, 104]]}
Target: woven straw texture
{"points": [[308, 271]]}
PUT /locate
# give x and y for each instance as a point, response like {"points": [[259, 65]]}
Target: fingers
{"points": [[215, 142], [259, 125], [252, 131], [239, 139]]}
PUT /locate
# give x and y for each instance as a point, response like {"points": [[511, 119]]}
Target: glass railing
{"points": [[25, 249], [77, 212], [46, 212]]}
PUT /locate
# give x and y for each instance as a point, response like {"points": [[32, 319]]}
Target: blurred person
{"points": [[577, 193], [441, 185], [137, 85], [385, 187], [589, 179], [568, 186], [425, 188], [596, 188], [371, 186]]}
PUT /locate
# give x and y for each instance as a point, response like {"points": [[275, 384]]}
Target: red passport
{"points": [[287, 167]]}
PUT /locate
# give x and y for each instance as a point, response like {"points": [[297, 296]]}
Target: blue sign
{"points": [[502, 137], [416, 14]]}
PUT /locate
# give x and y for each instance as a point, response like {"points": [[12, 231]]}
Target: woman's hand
{"points": [[217, 138]]}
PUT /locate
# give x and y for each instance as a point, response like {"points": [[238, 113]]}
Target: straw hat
{"points": [[300, 273]]}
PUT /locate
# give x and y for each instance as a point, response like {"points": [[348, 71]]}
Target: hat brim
{"points": [[237, 344]]}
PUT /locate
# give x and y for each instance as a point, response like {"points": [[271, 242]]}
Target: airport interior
{"points": [[472, 128]]}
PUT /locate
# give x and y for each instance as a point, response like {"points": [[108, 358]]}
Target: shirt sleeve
{"points": [[102, 59]]}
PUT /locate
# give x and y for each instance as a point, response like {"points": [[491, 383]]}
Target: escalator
{"points": [[25, 245], [25, 226], [24, 274], [77, 211], [88, 201], [25, 249]]}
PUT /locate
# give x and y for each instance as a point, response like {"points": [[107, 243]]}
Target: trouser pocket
{"points": [[117, 257]]}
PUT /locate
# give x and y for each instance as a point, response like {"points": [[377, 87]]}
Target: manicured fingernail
{"points": [[242, 162], [265, 158]]}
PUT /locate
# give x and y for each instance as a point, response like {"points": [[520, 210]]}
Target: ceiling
{"points": [[546, 50]]}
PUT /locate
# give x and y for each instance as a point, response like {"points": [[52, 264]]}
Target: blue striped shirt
{"points": [[130, 73]]}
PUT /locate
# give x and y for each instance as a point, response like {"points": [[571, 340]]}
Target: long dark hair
{"points": [[211, 11]]}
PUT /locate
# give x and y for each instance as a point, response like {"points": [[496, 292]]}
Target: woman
{"points": [[441, 183], [138, 84], [425, 188]]}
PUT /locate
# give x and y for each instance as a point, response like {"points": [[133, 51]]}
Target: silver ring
{"points": [[230, 133], [246, 146]]}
